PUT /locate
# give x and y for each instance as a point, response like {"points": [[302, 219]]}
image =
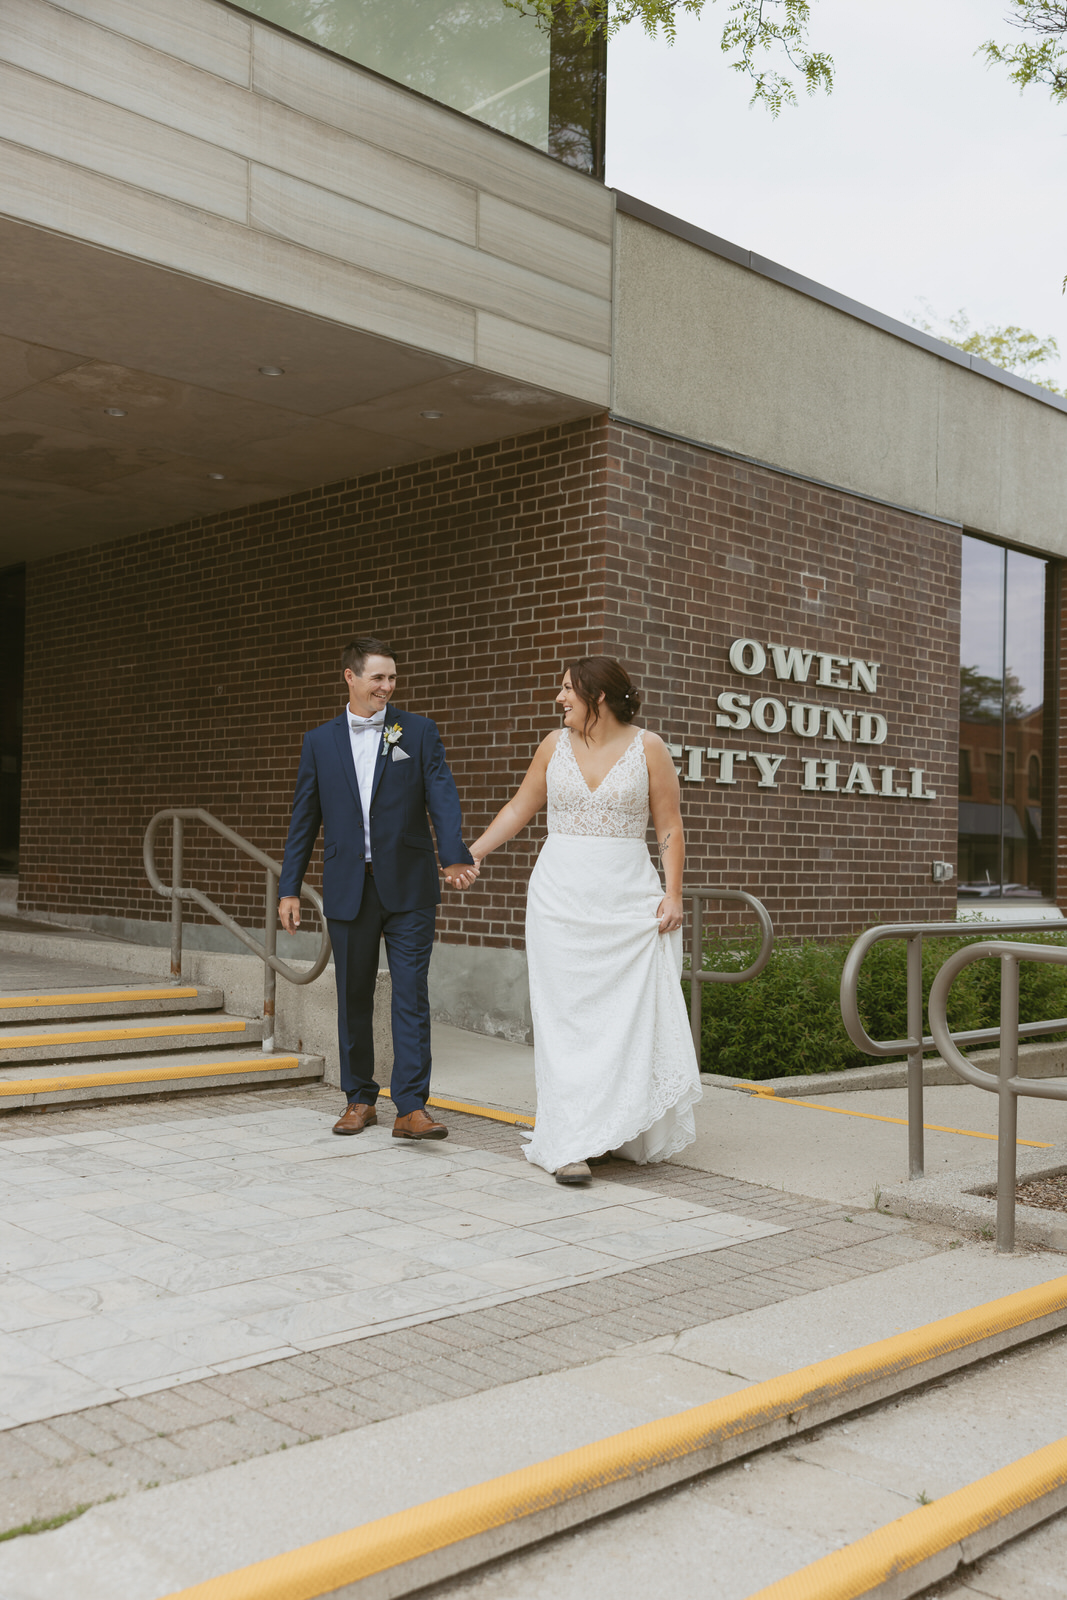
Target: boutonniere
{"points": [[391, 738]]}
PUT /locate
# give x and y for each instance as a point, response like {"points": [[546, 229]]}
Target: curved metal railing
{"points": [[1006, 1083], [696, 973], [916, 1042], [176, 892]]}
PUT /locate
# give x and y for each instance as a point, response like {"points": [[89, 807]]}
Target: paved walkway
{"points": [[196, 1281]]}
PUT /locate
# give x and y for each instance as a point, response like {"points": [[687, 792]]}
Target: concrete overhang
{"points": [[84, 329]]}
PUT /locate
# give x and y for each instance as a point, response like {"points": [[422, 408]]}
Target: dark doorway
{"points": [[12, 669]]}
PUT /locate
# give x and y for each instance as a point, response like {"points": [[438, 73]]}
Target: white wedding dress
{"points": [[613, 1054]]}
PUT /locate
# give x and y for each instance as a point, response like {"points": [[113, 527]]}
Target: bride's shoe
{"points": [[574, 1172]]}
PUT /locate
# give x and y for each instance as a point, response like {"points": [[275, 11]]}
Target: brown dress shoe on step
{"points": [[418, 1125], [357, 1117]]}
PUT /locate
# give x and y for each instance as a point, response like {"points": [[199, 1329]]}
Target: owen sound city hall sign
{"points": [[804, 719]]}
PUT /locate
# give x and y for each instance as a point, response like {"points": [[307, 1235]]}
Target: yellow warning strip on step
{"points": [[917, 1539], [105, 997], [100, 1080], [29, 1041], [871, 1116], [345, 1558], [483, 1111]]}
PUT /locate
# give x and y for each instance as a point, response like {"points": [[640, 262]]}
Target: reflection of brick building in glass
{"points": [[981, 796]]}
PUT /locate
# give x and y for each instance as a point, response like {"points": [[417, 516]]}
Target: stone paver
{"points": [[141, 1253], [92, 1451]]}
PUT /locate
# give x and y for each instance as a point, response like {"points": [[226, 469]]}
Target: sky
{"points": [[926, 176]]}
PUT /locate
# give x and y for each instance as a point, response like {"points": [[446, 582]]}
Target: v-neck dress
{"points": [[613, 1054]]}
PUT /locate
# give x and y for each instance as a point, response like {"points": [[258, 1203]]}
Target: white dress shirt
{"points": [[365, 747]]}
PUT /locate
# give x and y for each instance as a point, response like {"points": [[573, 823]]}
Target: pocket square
{"points": [[400, 755]]}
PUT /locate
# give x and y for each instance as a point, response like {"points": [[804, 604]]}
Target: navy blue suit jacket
{"points": [[327, 795]]}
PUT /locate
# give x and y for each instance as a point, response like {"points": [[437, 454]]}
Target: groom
{"points": [[368, 778]]}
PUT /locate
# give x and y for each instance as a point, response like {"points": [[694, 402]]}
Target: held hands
{"points": [[462, 875], [669, 912]]}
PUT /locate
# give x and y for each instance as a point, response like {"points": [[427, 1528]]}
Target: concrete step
{"points": [[101, 1037], [77, 1082], [119, 1000]]}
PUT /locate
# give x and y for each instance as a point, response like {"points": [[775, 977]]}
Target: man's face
{"points": [[372, 690]]}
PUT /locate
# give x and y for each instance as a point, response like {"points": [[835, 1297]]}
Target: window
{"points": [[543, 86], [966, 785], [1033, 779], [1003, 852]]}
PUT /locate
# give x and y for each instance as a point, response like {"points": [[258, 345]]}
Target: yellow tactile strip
{"points": [[104, 997], [32, 1041], [705, 1432], [913, 1541], [490, 1112], [872, 1116], [100, 1080]]}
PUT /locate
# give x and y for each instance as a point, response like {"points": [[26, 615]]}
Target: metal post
{"points": [[1007, 1121], [696, 964], [916, 1157], [176, 900], [270, 944]]}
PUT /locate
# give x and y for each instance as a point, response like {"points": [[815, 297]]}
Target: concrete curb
{"points": [[1035, 1061], [927, 1545], [400, 1554], [966, 1199]]}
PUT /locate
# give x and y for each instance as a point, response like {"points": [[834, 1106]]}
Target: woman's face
{"points": [[575, 713]]}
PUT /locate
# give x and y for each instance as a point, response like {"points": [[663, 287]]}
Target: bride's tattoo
{"points": [[663, 843]]}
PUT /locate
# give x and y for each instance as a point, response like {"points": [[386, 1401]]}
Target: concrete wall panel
{"points": [[122, 72], [288, 70], [531, 240], [82, 129], [399, 250], [36, 189], [523, 352], [716, 352], [198, 31]]}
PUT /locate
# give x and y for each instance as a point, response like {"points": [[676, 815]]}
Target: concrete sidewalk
{"points": [[196, 1286], [139, 1548]]}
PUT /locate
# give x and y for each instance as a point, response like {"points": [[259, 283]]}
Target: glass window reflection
{"points": [[1003, 727], [543, 86]]}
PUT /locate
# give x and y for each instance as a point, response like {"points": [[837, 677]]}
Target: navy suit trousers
{"points": [[408, 943]]}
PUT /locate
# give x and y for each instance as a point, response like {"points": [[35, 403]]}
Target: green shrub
{"points": [[788, 1020]]}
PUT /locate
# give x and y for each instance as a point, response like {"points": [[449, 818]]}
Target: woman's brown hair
{"points": [[593, 676]]}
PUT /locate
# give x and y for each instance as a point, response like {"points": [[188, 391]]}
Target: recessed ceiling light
{"points": [[273, 372], [113, 411], [431, 416], [217, 475]]}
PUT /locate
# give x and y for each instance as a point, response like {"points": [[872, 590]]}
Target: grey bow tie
{"points": [[366, 727]]}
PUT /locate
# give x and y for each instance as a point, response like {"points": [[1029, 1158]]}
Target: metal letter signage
{"points": [[804, 719]]}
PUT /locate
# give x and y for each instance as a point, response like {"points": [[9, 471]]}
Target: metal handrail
{"points": [[697, 974], [1006, 1083], [176, 892], [916, 1042]]}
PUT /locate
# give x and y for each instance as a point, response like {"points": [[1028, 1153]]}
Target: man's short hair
{"points": [[355, 654]]}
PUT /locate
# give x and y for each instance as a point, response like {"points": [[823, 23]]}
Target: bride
{"points": [[613, 1055]]}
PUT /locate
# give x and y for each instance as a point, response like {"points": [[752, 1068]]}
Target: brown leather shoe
{"points": [[418, 1125], [357, 1117]]}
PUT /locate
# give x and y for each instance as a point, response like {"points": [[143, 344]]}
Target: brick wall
{"points": [[702, 550], [181, 667]]}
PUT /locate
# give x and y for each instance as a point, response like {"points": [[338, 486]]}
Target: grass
{"points": [[44, 1524], [788, 1022]]}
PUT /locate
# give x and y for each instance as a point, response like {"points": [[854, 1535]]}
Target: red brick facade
{"points": [[181, 667]]}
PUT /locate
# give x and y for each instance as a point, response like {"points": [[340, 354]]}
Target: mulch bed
{"points": [[1049, 1194]]}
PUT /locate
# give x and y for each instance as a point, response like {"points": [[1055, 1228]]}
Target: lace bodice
{"points": [[616, 809]]}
